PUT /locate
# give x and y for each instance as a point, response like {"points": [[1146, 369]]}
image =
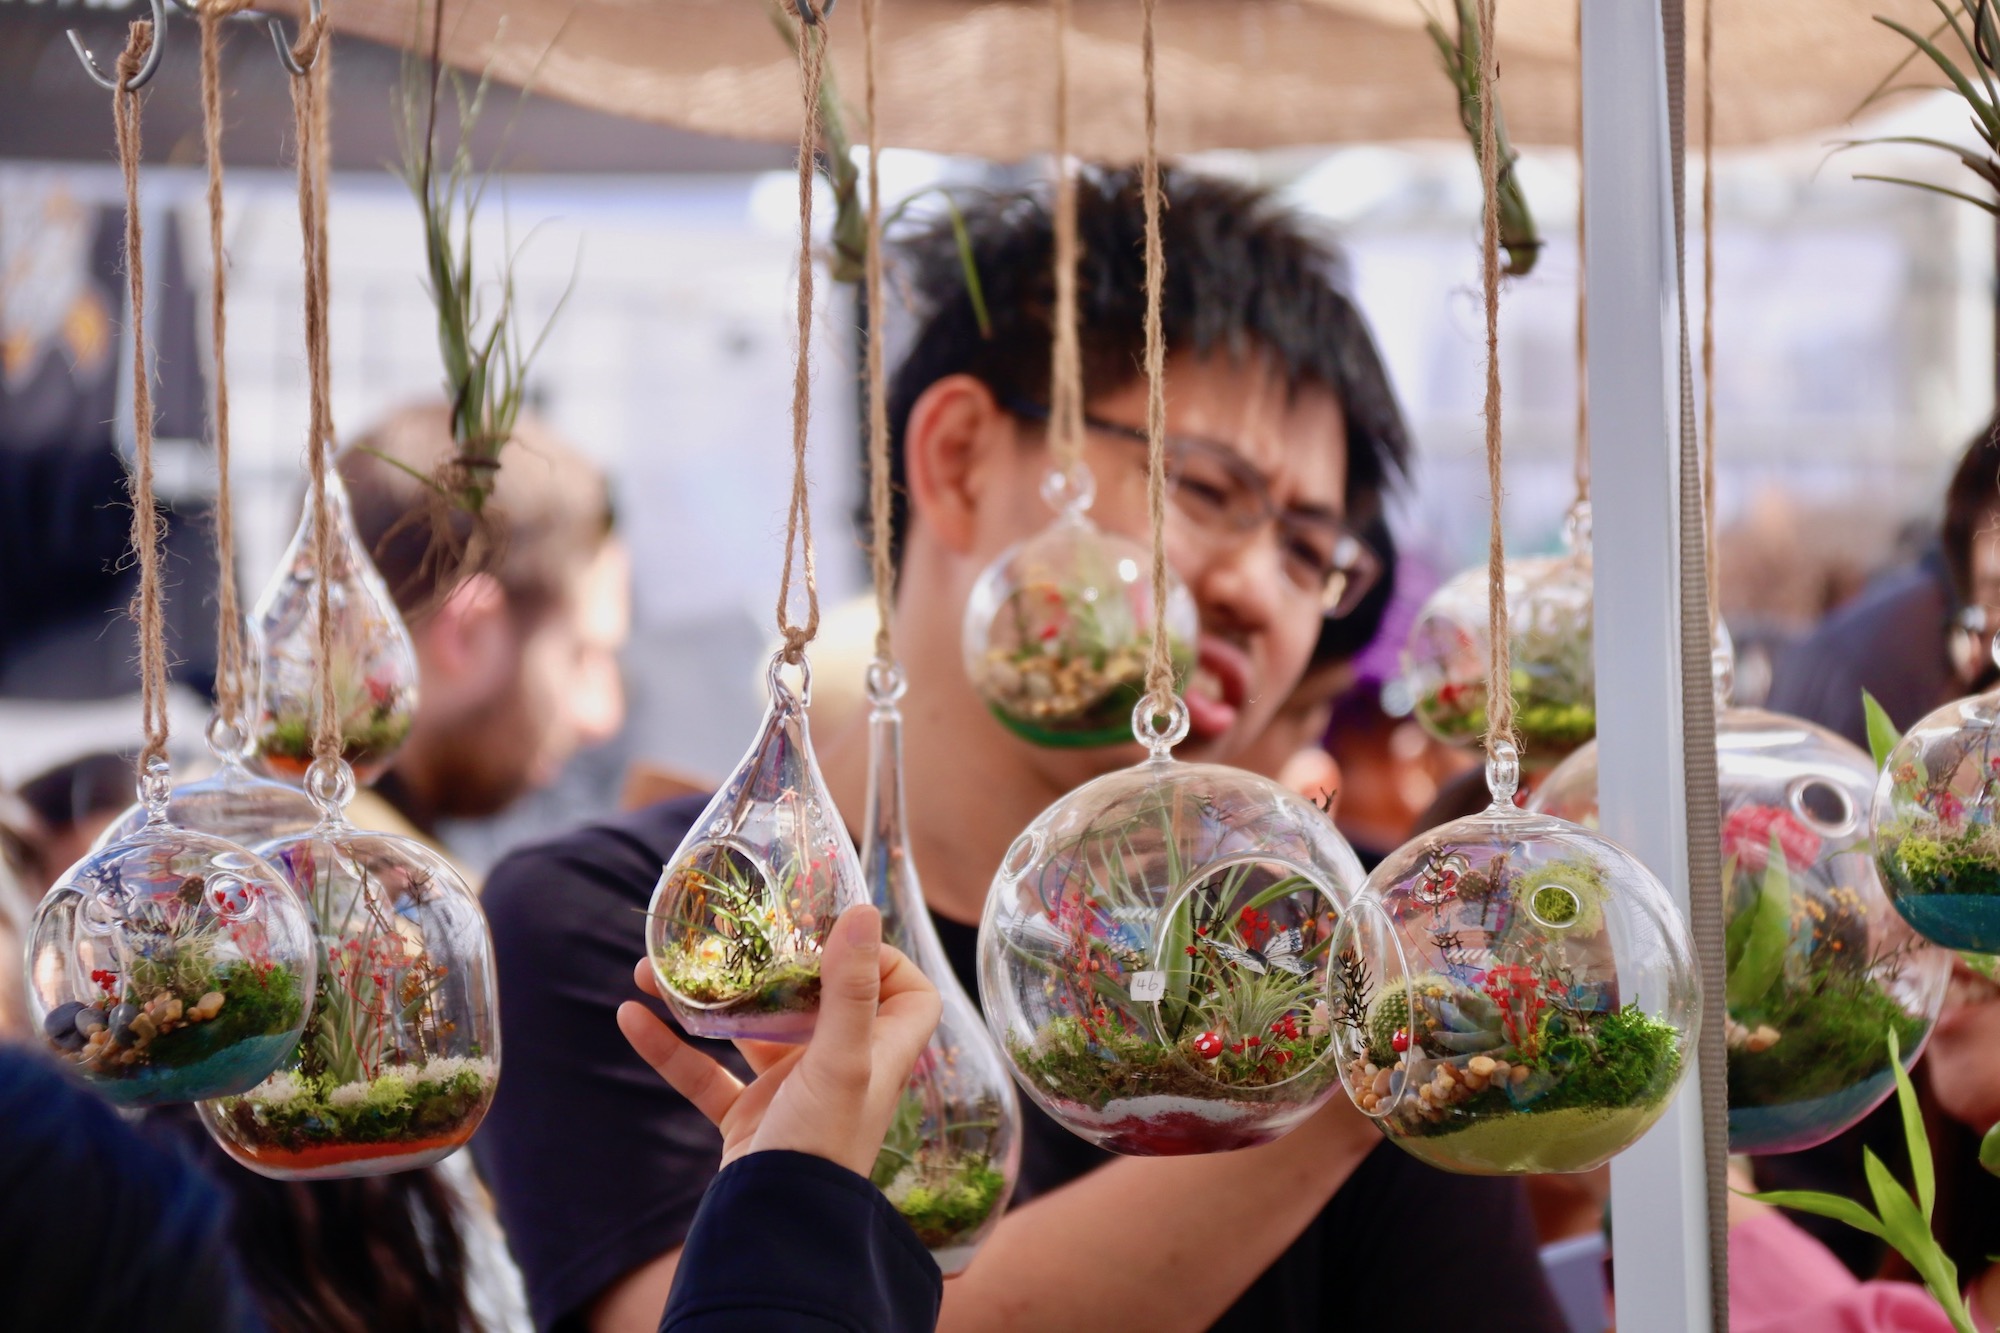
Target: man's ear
{"points": [[950, 445], [465, 634]]}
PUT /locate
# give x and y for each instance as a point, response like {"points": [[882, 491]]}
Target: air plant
{"points": [[1974, 25], [486, 356], [1461, 66]]}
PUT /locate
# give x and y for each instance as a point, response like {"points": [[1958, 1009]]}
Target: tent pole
{"points": [[1659, 1195]]}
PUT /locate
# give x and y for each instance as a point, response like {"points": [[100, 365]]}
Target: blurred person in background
{"points": [[1918, 636], [518, 658]]}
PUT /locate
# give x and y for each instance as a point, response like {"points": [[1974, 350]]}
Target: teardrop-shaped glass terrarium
{"points": [[402, 1049], [1819, 965], [1554, 680], [742, 911], [231, 802], [1168, 951], [170, 965], [954, 1149], [1935, 820], [1551, 1001], [374, 663], [1058, 628]]}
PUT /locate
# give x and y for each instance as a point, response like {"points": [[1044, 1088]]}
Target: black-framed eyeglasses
{"points": [[1225, 497]]}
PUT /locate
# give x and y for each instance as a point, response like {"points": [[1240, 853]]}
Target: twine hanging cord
{"points": [[146, 522], [1500, 667], [878, 409], [798, 515], [1066, 358], [229, 628], [1159, 665]]}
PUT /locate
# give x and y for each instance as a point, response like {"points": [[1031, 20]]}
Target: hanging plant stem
{"points": [[487, 358], [1977, 30], [1461, 56]]}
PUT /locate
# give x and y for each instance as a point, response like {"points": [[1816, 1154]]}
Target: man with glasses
{"points": [[1284, 435]]}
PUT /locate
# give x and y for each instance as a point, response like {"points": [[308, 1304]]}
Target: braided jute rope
{"points": [[1582, 463], [309, 126], [146, 609], [229, 649], [1159, 663], [1708, 307], [798, 516], [1500, 666], [878, 409], [1066, 355]]}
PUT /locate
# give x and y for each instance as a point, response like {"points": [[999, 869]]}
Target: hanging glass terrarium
{"points": [[402, 1049], [953, 1151], [1058, 627], [230, 803], [1935, 819], [170, 965], [742, 910], [1554, 681], [374, 664], [1551, 1000], [1168, 950], [1819, 966]]}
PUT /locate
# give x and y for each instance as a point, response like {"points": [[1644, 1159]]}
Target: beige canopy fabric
{"points": [[973, 76]]}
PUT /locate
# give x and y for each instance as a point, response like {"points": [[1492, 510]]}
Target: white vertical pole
{"points": [[1659, 1204]]}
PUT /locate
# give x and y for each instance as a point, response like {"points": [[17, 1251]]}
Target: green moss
{"points": [[1830, 1040], [290, 739], [1068, 1062], [946, 1202], [293, 1114], [1612, 1072], [258, 1001], [1547, 727], [785, 986], [1920, 857]]}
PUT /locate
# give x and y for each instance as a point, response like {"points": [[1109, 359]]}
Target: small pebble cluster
{"points": [[105, 1038], [1051, 686], [1755, 1040], [1448, 1086]]}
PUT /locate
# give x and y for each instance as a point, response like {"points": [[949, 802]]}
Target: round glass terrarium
{"points": [[1936, 824], [231, 803], [1167, 952], [170, 965], [401, 1052], [742, 911], [953, 1152], [1058, 628], [1550, 1002], [1549, 619], [374, 663], [1820, 968]]}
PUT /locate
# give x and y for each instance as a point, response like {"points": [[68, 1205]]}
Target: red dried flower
{"points": [[1747, 834]]}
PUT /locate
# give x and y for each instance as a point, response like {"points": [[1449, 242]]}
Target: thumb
{"points": [[850, 987]]}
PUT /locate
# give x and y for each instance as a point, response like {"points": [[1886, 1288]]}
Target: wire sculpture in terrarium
{"points": [[1168, 950], [1935, 820], [1056, 630], [1819, 966], [401, 1052], [170, 965], [953, 1151], [1551, 1001], [230, 802], [1553, 679], [741, 912], [374, 664]]}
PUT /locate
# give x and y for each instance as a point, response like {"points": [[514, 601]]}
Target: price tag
{"points": [[1147, 986]]}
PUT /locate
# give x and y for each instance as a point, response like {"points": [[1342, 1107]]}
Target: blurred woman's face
{"points": [[1964, 1055]]}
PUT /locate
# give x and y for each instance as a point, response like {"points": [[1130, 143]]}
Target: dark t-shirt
{"points": [[598, 1166]]}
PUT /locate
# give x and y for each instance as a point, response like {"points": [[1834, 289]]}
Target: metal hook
{"points": [[291, 64], [146, 70], [813, 16]]}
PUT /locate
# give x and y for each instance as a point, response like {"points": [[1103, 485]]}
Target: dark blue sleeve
{"points": [[787, 1241]]}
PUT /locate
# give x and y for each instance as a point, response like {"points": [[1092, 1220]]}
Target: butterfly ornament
{"points": [[1282, 953]]}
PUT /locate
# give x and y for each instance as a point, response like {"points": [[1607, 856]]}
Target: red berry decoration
{"points": [[1401, 1041]]}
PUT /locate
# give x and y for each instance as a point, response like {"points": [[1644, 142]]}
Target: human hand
{"points": [[832, 1097]]}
